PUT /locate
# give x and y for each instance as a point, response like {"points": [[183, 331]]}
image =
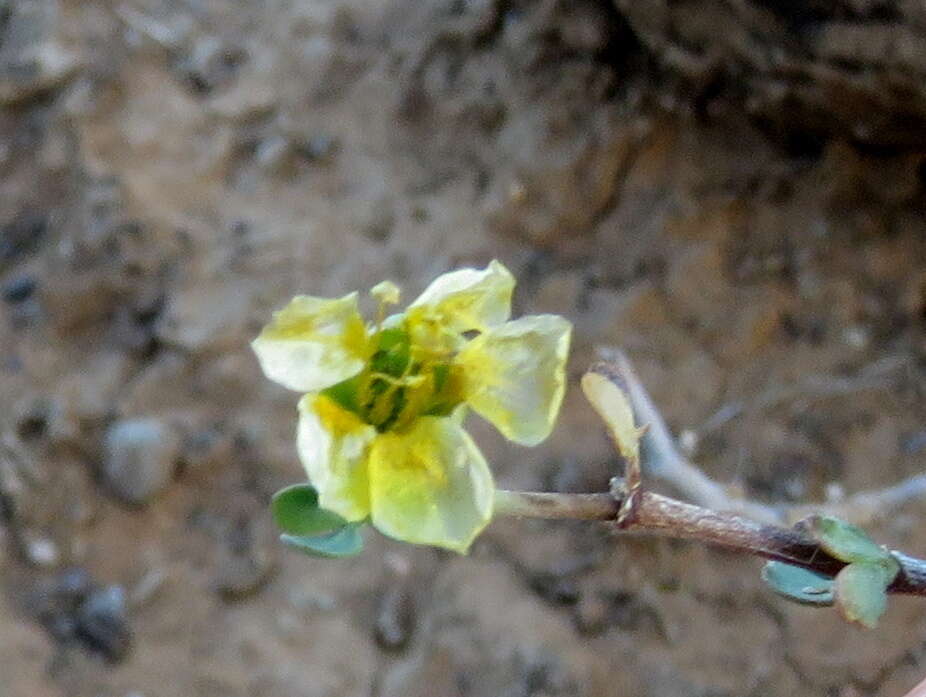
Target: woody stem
{"points": [[654, 514]]}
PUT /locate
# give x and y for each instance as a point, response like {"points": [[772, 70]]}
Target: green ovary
{"points": [[401, 382]]}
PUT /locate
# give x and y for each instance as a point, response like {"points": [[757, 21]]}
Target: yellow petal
{"points": [[515, 375], [468, 298], [430, 485], [333, 445], [313, 343]]}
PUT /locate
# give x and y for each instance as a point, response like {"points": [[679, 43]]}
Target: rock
{"points": [[42, 68], [140, 458], [23, 235], [40, 551], [211, 64], [207, 316], [555, 588], [102, 622], [56, 602], [319, 148], [18, 288], [274, 155], [395, 618], [248, 559], [75, 609]]}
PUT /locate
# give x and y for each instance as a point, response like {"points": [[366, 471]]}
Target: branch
{"points": [[654, 514], [662, 460], [553, 506], [722, 520]]}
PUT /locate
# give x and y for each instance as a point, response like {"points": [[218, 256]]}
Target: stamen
{"points": [[387, 293]]}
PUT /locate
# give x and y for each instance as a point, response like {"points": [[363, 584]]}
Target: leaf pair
{"points": [[859, 590], [312, 529]]}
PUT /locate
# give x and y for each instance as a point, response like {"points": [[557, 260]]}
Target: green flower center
{"points": [[402, 381]]}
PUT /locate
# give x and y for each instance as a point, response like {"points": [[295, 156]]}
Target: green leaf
{"points": [[845, 541], [345, 542], [798, 584], [296, 512], [861, 591]]}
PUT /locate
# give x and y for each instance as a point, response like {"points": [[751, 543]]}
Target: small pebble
{"points": [[41, 551], [857, 337], [247, 560], [555, 588], [239, 576], [23, 235], [57, 601], [102, 622], [140, 458], [273, 154], [317, 148], [73, 585], [147, 587], [395, 618], [307, 599], [18, 289]]}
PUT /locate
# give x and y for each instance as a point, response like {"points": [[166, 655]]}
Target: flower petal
{"points": [[515, 375], [333, 445], [430, 485], [313, 343], [468, 298]]}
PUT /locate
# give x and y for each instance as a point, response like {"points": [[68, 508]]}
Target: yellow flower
{"points": [[380, 428]]}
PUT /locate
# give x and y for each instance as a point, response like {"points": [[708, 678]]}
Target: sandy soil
{"points": [[171, 171]]}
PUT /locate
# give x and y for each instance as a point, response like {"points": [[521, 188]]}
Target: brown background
{"points": [[733, 192]]}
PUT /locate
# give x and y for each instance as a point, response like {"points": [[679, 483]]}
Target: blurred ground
{"points": [[171, 171]]}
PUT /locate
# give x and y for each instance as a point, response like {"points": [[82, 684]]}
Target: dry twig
{"points": [[733, 523], [662, 460]]}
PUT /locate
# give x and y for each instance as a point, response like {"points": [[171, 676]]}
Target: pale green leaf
{"points": [[798, 584], [345, 542], [861, 591], [845, 541]]}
